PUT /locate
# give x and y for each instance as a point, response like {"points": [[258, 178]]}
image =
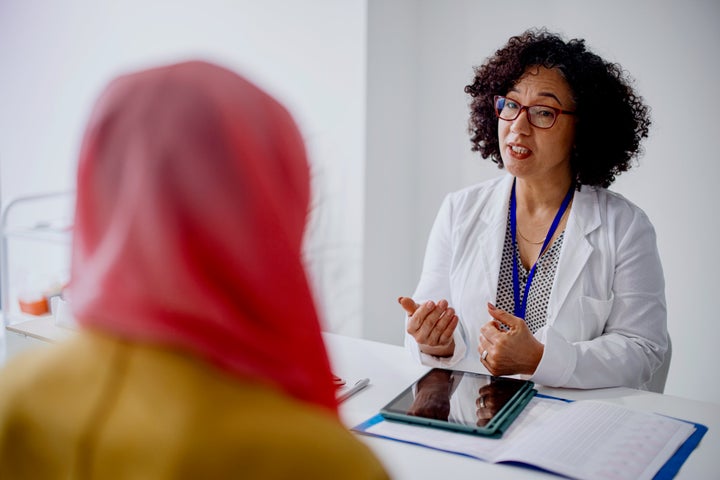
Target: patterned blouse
{"points": [[539, 296]]}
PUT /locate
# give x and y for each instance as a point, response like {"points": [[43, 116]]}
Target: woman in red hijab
{"points": [[199, 353]]}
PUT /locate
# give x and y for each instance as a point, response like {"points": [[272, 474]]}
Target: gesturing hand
{"points": [[431, 325], [509, 352]]}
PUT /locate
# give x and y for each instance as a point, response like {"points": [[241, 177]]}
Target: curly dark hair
{"points": [[611, 118]]}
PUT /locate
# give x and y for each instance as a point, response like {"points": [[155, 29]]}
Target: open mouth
{"points": [[519, 150]]}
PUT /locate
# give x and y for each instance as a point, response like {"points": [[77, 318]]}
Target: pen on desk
{"points": [[359, 385]]}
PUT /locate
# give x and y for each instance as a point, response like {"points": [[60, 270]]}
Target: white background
{"points": [[377, 88]]}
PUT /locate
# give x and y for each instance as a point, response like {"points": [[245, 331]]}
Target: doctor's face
{"points": [[528, 151]]}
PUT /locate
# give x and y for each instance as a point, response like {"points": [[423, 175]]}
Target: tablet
{"points": [[462, 401]]}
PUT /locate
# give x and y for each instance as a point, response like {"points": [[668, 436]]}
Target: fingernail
{"points": [[399, 299], [491, 306]]}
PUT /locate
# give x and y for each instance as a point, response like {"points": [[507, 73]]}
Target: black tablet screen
{"points": [[462, 398]]}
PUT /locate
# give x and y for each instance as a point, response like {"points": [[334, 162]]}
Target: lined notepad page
{"points": [[596, 440], [585, 439]]}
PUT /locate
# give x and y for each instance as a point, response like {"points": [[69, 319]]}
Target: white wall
{"points": [[421, 55], [57, 56]]}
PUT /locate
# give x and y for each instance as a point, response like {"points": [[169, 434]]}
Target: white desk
{"points": [[391, 369]]}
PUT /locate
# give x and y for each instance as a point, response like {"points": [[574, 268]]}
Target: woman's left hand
{"points": [[509, 352]]}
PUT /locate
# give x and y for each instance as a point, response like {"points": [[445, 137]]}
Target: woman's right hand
{"points": [[431, 325]]}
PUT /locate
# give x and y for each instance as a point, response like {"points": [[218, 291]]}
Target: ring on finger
{"points": [[484, 355]]}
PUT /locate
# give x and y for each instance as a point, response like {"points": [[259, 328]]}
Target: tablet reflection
{"points": [[459, 398], [491, 398], [432, 398]]}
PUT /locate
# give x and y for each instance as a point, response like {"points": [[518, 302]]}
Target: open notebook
{"points": [[583, 439]]}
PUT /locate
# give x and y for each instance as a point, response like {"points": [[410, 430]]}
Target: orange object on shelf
{"points": [[34, 307]]}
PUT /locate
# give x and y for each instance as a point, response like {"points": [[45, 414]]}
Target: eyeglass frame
{"points": [[558, 111]]}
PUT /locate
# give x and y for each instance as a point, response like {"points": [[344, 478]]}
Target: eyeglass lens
{"points": [[538, 115]]}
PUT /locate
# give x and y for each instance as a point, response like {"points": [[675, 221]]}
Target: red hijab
{"points": [[192, 198]]}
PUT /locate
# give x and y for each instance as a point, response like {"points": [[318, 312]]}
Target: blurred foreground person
{"points": [[199, 353]]}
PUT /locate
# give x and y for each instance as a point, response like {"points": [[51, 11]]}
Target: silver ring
{"points": [[482, 401], [483, 356]]}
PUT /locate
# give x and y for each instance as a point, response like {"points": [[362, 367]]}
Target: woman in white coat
{"points": [[544, 272]]}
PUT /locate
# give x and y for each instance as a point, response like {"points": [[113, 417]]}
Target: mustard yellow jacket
{"points": [[95, 407]]}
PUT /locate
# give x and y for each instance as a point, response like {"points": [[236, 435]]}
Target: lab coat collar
{"points": [[492, 238], [584, 218]]}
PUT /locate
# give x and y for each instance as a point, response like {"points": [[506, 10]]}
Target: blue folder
{"points": [[666, 472]]}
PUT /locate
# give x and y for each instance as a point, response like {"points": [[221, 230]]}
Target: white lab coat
{"points": [[606, 318]]}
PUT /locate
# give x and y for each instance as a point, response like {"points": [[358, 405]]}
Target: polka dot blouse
{"points": [[539, 296]]}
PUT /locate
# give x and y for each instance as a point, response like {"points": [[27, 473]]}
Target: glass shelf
{"points": [[36, 233]]}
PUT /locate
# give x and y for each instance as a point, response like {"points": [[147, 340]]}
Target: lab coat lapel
{"points": [[584, 218], [492, 238]]}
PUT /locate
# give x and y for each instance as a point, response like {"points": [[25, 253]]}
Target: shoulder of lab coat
{"points": [[607, 316]]}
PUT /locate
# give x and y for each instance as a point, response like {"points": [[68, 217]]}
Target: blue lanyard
{"points": [[520, 307]]}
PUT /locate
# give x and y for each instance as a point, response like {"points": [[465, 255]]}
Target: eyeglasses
{"points": [[540, 116]]}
